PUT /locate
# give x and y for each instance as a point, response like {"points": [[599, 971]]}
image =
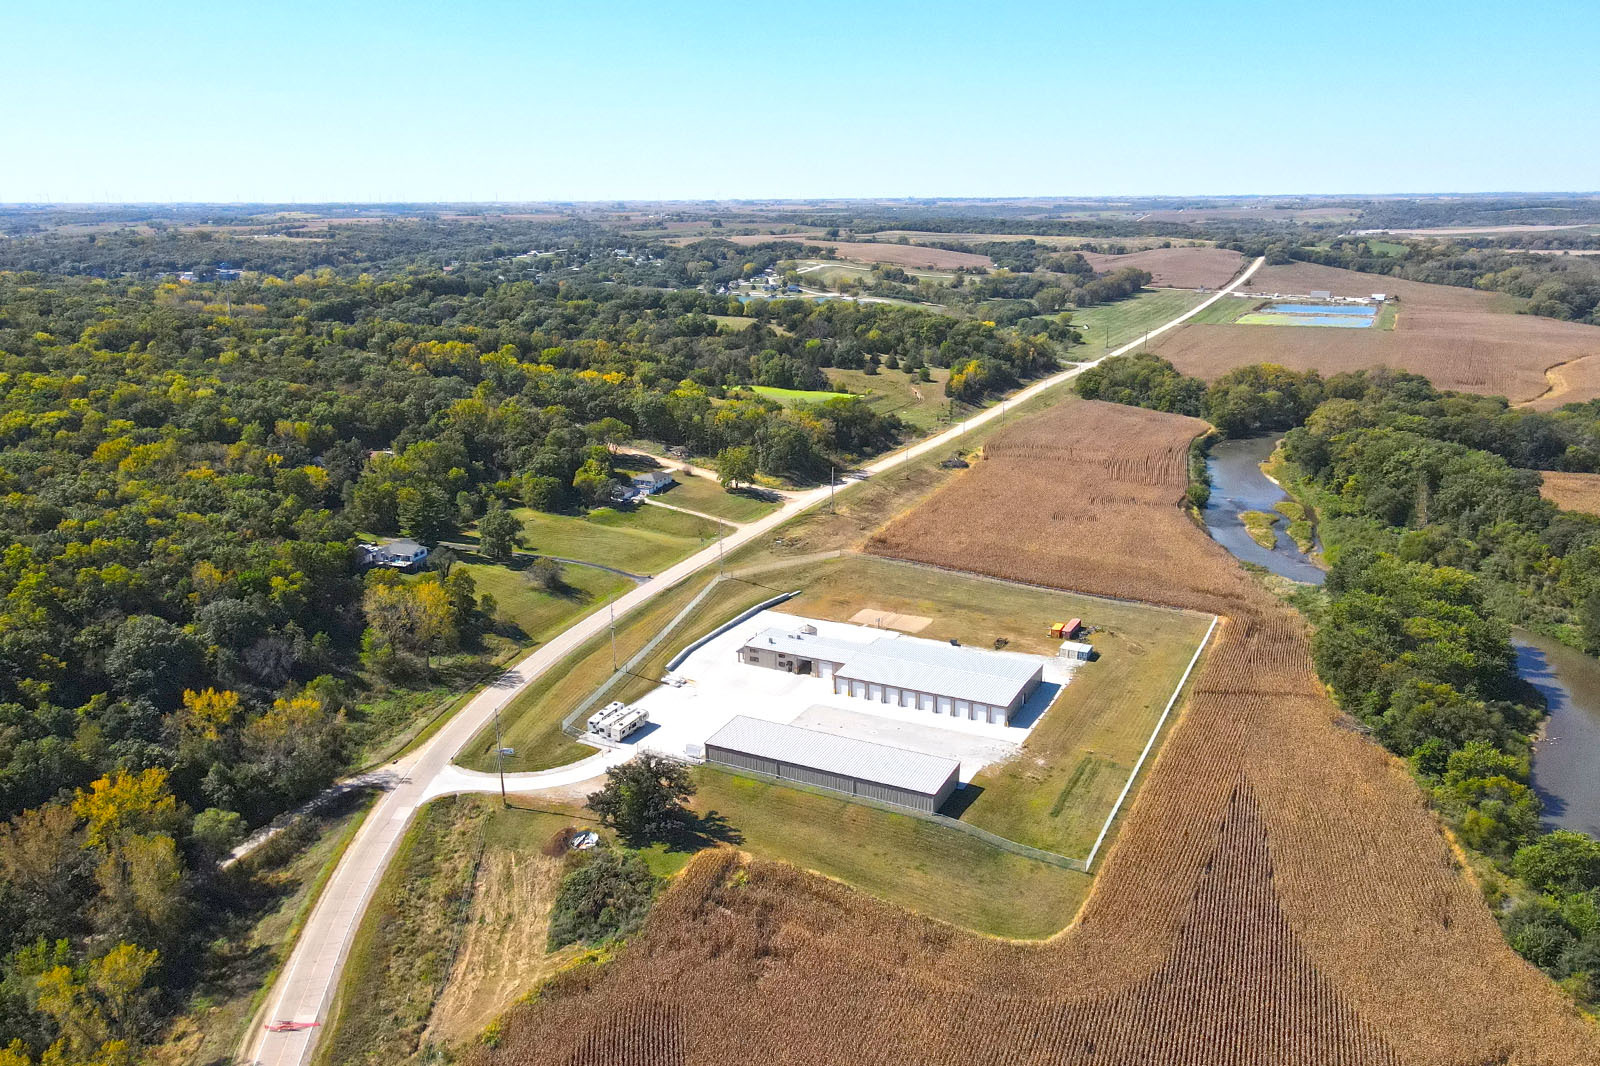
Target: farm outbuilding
{"points": [[827, 760], [927, 675]]}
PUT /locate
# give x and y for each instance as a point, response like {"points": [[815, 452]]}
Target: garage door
{"points": [[963, 709], [875, 693], [945, 706], [825, 671]]}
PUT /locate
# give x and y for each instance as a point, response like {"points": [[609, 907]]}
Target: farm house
{"points": [[827, 760], [944, 679]]}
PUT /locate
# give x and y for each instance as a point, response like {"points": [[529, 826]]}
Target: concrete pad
{"points": [[718, 687], [906, 623]]}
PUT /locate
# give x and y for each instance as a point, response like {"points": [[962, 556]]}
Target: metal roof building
{"points": [[826, 760], [946, 679]]}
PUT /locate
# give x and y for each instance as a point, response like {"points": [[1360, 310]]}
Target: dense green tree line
{"points": [[187, 635], [1438, 544]]}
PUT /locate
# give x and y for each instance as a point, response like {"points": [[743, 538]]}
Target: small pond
{"points": [[1237, 486], [1566, 761]]}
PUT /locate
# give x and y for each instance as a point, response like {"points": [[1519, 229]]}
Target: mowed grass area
{"points": [[913, 863], [702, 494], [1229, 309], [1055, 794], [790, 397], [1128, 320], [641, 540], [531, 723], [920, 404], [539, 614]]}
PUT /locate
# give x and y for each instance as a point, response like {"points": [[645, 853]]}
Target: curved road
{"points": [[306, 985]]}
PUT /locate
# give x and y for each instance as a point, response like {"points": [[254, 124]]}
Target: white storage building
{"points": [[943, 679], [826, 760]]}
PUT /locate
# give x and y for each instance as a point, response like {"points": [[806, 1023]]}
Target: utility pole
{"points": [[719, 561], [500, 758], [830, 491], [613, 608]]}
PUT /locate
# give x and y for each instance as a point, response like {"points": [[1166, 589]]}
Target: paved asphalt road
{"points": [[306, 985]]}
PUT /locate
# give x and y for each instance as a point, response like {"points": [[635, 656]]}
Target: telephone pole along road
{"points": [[306, 985]]}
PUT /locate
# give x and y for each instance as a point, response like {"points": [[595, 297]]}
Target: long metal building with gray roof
{"points": [[826, 760], [944, 679]]}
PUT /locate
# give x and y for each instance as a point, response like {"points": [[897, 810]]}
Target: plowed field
{"points": [[1459, 338], [1181, 268], [1571, 492], [1280, 894]]}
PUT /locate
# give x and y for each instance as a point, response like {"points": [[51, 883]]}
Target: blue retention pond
{"points": [[1341, 321], [1323, 309]]}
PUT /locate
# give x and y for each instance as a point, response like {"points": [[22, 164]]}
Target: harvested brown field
{"points": [[1179, 268], [903, 255], [1279, 896], [1573, 382], [1571, 492], [1461, 339]]}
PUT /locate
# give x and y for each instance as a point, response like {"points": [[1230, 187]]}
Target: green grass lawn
{"points": [[531, 723], [1228, 309], [540, 615], [1127, 320], [790, 397], [644, 540], [920, 404], [910, 862], [707, 496]]}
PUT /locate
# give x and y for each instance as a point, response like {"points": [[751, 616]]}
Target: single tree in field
{"points": [[498, 531], [735, 465], [643, 799], [545, 573]]}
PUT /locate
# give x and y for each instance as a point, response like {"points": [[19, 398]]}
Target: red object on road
{"points": [[290, 1027]]}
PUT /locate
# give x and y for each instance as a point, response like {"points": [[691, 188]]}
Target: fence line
{"points": [[1128, 785], [677, 660], [1025, 851], [627, 667]]}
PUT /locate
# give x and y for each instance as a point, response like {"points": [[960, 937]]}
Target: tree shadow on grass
{"points": [[699, 832]]}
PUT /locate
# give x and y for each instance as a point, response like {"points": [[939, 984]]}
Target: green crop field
{"points": [[644, 540], [1108, 326]]}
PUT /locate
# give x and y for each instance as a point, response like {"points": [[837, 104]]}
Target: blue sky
{"points": [[481, 100]]}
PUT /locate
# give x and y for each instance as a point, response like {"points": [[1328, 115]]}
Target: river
{"points": [[1566, 760], [1237, 486]]}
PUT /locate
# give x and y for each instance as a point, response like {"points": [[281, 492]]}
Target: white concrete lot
{"points": [[717, 687]]}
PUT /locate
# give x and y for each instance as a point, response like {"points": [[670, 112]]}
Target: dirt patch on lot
{"points": [[1459, 338], [502, 954], [1280, 894], [906, 623], [1179, 268], [1571, 492], [904, 255]]}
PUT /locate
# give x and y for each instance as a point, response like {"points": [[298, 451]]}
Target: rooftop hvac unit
{"points": [[809, 630]]}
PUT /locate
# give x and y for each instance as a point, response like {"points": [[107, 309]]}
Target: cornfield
{"points": [[1279, 896]]}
